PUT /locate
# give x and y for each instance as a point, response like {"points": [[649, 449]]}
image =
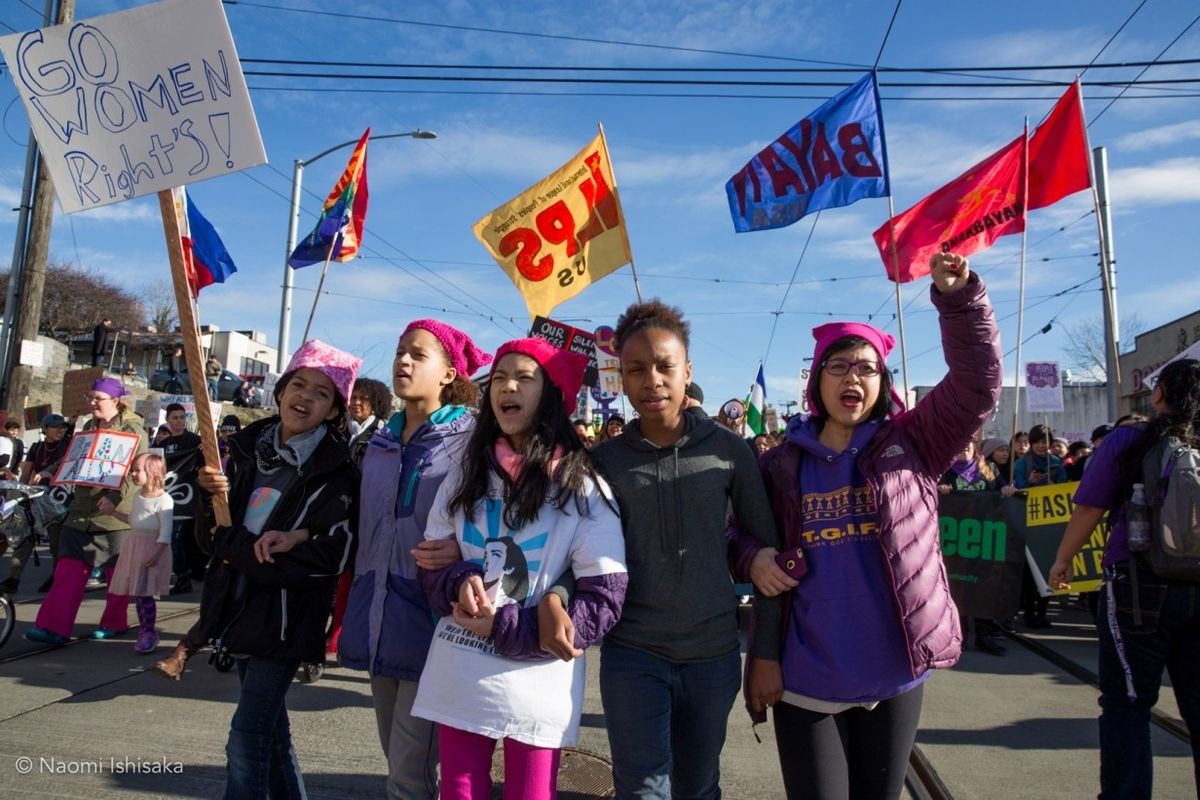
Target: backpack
{"points": [[1171, 473]]}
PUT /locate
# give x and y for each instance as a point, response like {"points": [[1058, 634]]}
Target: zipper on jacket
{"points": [[412, 482]]}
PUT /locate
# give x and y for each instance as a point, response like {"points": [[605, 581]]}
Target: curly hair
{"points": [[462, 391], [653, 313], [377, 394]]}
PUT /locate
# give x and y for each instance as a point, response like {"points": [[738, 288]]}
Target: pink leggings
{"points": [[61, 605], [530, 773]]}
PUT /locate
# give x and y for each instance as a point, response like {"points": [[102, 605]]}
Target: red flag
{"points": [[964, 216], [1058, 152]]}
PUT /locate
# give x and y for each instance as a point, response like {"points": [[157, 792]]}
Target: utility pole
{"points": [[1108, 284], [8, 348], [34, 270]]}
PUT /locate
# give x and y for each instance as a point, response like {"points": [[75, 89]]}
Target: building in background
{"points": [[1151, 350]]}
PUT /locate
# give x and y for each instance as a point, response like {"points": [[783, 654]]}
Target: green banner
{"points": [[984, 552]]}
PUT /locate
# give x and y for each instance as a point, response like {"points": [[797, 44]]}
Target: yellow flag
{"points": [[563, 233]]}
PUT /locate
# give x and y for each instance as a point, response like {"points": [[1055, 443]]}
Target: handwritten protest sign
{"points": [[563, 233], [1043, 387], [97, 458], [136, 102], [567, 337]]}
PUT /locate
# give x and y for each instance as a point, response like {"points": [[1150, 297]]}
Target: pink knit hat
{"points": [[563, 368], [339, 366], [829, 333], [464, 356]]}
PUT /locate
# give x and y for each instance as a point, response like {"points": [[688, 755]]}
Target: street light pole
{"points": [[285, 310]]}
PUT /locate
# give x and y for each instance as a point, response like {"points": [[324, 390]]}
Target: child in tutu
{"points": [[144, 565]]}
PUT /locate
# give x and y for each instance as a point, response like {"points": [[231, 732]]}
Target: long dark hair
{"points": [[524, 498], [883, 404], [1180, 383]]}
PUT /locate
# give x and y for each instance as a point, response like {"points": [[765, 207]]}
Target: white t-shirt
{"points": [[464, 683], [153, 515]]}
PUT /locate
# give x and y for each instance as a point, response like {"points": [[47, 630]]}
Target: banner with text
{"points": [[562, 234], [132, 103], [984, 551], [1047, 510]]}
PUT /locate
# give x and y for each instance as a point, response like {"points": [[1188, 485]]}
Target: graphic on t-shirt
{"points": [[506, 555], [261, 504], [830, 517]]}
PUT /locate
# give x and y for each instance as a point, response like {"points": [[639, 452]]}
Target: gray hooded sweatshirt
{"points": [[674, 502]]}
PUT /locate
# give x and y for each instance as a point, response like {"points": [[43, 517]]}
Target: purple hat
{"points": [[339, 366], [111, 387], [461, 351], [829, 333]]}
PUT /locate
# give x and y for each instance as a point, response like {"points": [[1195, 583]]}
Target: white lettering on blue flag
{"points": [[833, 157]]}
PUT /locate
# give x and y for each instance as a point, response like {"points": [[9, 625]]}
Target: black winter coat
{"points": [[281, 609]]}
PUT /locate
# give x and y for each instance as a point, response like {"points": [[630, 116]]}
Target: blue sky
{"points": [[672, 157]]}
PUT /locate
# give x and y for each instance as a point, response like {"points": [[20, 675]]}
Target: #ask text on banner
{"points": [[833, 157], [562, 234]]}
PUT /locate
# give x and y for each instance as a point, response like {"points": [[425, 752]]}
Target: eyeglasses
{"points": [[863, 369], [97, 398]]}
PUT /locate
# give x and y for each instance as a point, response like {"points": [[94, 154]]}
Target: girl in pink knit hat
{"points": [[525, 506], [292, 491], [387, 626]]}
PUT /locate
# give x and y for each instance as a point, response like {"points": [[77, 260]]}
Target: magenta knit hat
{"points": [[339, 366], [462, 353], [563, 368], [829, 333]]}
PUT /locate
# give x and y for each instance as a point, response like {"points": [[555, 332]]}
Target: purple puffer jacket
{"points": [[902, 465], [388, 625]]}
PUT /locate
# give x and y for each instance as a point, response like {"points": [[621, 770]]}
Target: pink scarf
{"points": [[513, 462]]}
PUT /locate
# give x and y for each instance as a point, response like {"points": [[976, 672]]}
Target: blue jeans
{"points": [[666, 721], [213, 393], [1132, 659], [261, 760]]}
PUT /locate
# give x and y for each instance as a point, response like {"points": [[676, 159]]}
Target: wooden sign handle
{"points": [[191, 348]]}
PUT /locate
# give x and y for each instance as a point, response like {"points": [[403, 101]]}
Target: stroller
{"points": [[25, 513]]}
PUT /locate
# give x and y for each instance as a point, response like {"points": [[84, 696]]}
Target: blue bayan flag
{"points": [[833, 157]]}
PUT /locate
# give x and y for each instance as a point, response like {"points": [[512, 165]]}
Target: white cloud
{"points": [[1162, 136], [1174, 180]]}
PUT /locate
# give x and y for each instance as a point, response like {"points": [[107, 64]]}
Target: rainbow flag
{"points": [[338, 233]]}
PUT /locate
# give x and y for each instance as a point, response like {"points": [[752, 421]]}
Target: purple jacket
{"points": [[902, 465], [388, 625]]}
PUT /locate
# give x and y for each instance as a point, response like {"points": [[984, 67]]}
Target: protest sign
{"points": [[35, 414], [1043, 387], [566, 337], [1047, 510], [563, 233], [984, 552], [189, 409], [76, 385], [136, 102], [97, 458]]}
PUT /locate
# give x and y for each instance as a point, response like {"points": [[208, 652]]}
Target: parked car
{"points": [[227, 386]]}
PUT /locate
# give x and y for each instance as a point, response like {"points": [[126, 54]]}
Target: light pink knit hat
{"points": [[339, 366]]}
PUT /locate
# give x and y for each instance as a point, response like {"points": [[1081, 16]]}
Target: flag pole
{"points": [[896, 280], [320, 284], [1020, 300], [190, 329], [637, 286]]}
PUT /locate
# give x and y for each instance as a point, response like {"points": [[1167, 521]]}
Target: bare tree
{"points": [[159, 300], [77, 298], [1084, 349]]}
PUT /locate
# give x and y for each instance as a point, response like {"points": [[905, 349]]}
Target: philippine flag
{"points": [[204, 253]]}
